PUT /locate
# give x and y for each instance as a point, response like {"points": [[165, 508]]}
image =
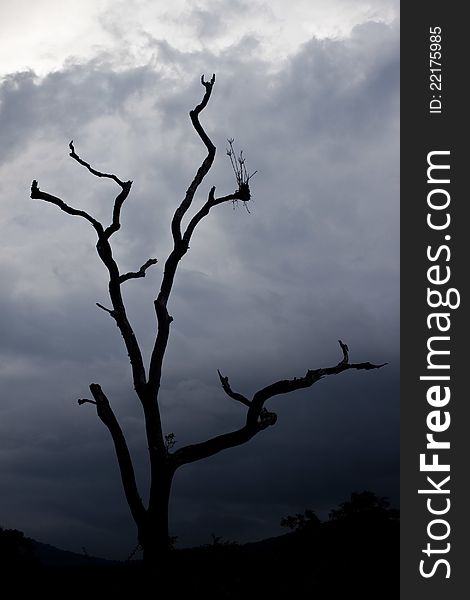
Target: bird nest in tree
{"points": [[241, 174]]}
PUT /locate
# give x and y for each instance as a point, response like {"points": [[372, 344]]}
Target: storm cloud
{"points": [[262, 295]]}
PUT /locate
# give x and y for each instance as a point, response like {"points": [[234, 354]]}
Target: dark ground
{"points": [[353, 555]]}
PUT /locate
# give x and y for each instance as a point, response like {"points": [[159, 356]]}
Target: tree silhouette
{"points": [[308, 521], [364, 505], [152, 520]]}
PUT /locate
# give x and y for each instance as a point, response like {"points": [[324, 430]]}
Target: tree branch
{"points": [[119, 314], [108, 310], [105, 253], [195, 452], [228, 390], [286, 386], [181, 244], [118, 202], [93, 171], [345, 350], [204, 211], [37, 194], [140, 272], [258, 417], [106, 414], [314, 375], [194, 114], [180, 247], [205, 166]]}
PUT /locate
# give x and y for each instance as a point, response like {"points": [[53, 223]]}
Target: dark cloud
{"points": [[260, 296]]}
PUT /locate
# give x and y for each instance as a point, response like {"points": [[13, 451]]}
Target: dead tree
{"points": [[152, 520]]}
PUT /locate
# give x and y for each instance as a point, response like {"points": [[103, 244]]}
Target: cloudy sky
{"points": [[310, 91]]}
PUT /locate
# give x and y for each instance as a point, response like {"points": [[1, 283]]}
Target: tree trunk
{"points": [[153, 532]]}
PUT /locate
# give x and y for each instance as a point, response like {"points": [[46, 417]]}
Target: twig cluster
{"points": [[241, 174]]}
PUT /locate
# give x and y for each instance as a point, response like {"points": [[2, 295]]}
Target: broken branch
{"points": [[228, 390], [37, 194], [108, 310]]}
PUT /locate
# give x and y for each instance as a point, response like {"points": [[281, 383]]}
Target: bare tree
{"points": [[152, 520]]}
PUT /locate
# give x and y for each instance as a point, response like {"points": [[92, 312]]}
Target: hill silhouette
{"points": [[354, 554]]}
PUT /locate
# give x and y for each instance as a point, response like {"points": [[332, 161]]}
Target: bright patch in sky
{"points": [[43, 35]]}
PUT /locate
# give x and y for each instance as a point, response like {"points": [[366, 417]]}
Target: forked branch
{"points": [[285, 386], [118, 202], [181, 242], [258, 417], [103, 247], [204, 211]]}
